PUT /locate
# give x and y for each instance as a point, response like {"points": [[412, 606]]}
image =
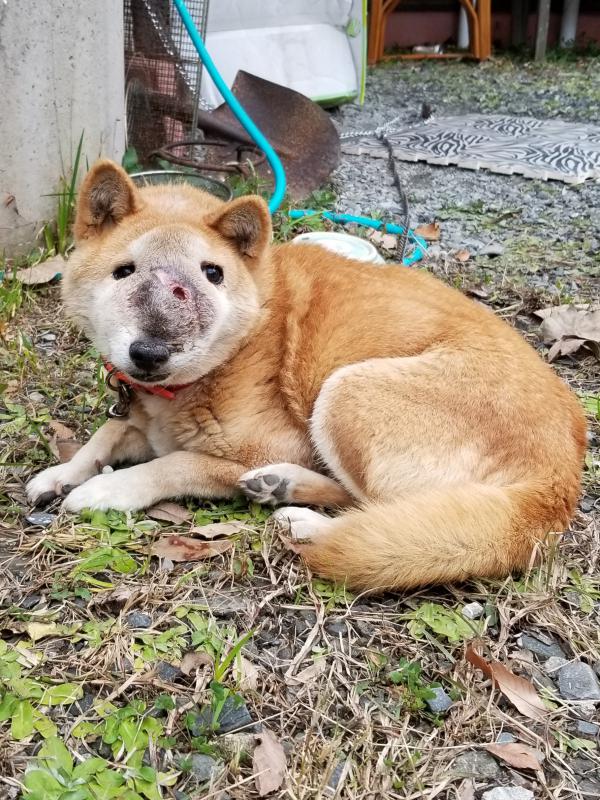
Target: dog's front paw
{"points": [[116, 490], [53, 482], [268, 485]]}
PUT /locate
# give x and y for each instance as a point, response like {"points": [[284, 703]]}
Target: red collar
{"points": [[168, 392]]}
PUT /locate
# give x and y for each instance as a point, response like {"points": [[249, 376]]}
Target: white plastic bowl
{"points": [[342, 243]]}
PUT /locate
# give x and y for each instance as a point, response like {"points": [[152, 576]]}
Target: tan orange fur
{"points": [[459, 447]]}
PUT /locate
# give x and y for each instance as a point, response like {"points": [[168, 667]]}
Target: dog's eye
{"points": [[213, 272], [124, 271]]}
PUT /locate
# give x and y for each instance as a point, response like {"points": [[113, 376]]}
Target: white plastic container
{"points": [[342, 243]]}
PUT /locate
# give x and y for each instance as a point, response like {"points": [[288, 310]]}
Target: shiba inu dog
{"points": [[301, 378]]}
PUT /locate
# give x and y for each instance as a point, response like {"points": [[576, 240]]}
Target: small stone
{"points": [[573, 598], [541, 644], [40, 518], [493, 249], [30, 602], [36, 397], [236, 746], [225, 605], [472, 610], [586, 728], [336, 627], [167, 672], [336, 776], [589, 788], [441, 702], [234, 715], [577, 681], [553, 664], [204, 767], [587, 504], [505, 738], [508, 793], [476, 764], [137, 619]]}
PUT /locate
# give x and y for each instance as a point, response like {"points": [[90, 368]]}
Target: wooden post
{"points": [[541, 36]]}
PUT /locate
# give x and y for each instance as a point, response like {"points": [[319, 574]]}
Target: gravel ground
{"points": [[539, 217], [387, 698]]}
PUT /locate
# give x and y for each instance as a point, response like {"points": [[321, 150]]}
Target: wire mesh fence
{"points": [[163, 74]]}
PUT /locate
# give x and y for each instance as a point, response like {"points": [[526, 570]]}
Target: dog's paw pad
{"points": [[264, 486]]}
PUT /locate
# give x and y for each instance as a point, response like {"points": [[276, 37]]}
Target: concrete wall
{"points": [[61, 74]]}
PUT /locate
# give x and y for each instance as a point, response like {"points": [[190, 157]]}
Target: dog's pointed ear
{"points": [[107, 195], [245, 223]]}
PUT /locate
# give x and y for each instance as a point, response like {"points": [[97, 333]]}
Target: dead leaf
{"points": [[519, 691], [39, 630], [169, 512], [386, 240], [268, 763], [466, 790], [115, 599], [568, 329], [308, 674], [430, 232], [248, 674], [184, 548], [462, 255], [479, 292], [62, 442], [193, 660], [517, 755], [42, 273], [215, 529]]}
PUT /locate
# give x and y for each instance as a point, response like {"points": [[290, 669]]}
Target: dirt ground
{"points": [[359, 697]]}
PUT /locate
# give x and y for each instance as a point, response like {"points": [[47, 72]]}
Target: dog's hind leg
{"points": [[290, 483]]}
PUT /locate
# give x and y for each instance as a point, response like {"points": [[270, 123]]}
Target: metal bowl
{"points": [[160, 177]]}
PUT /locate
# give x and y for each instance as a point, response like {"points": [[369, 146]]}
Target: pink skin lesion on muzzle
{"points": [[169, 282]]}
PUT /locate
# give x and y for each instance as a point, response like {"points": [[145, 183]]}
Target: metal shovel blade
{"points": [[300, 131]]}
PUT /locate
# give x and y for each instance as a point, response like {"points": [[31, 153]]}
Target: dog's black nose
{"points": [[148, 354]]}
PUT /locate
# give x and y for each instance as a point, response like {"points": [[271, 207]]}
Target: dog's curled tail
{"points": [[441, 535]]}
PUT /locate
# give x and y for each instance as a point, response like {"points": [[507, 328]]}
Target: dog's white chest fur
{"points": [[158, 432]]}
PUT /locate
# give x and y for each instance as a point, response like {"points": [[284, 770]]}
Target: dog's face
{"points": [[167, 282]]}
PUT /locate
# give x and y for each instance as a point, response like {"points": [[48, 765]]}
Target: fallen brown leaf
{"points": [[215, 529], [386, 240], [169, 512], [430, 232], [466, 790], [183, 548], [517, 755], [308, 674], [462, 255], [268, 763], [519, 691], [62, 441], [568, 329], [193, 660], [116, 599], [42, 273]]}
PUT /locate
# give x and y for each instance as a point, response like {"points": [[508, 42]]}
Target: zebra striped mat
{"points": [[534, 148]]}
